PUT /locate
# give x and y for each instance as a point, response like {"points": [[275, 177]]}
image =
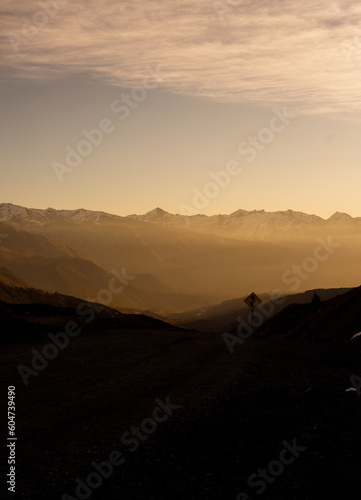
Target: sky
{"points": [[195, 106]]}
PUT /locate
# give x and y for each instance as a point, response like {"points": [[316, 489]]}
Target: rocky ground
{"points": [[233, 415]]}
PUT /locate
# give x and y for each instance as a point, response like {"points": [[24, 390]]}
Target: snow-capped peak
{"points": [[156, 212], [340, 217], [16, 214]]}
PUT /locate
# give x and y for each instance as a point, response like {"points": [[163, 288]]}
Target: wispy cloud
{"points": [[263, 51]]}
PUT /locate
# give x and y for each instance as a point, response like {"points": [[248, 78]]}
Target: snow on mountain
{"points": [[152, 215], [341, 218], [15, 214], [241, 224], [9, 212], [157, 213]]}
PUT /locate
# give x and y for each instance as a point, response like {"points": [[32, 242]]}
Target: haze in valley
{"points": [[180, 241]]}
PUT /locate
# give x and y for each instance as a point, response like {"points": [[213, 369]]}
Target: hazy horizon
{"points": [[193, 107], [126, 107], [90, 209]]}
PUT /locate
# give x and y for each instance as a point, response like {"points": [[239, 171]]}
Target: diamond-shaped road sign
{"points": [[252, 301]]}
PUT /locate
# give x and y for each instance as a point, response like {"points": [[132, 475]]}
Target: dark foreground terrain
{"points": [[235, 414]]}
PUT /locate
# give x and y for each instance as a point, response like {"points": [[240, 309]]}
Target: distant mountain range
{"points": [[179, 263], [242, 224], [192, 271], [257, 224]]}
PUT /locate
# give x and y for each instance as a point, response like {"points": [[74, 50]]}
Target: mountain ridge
{"points": [[13, 210], [336, 318], [182, 263], [240, 224]]}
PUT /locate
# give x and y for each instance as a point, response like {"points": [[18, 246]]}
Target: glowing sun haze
{"points": [[222, 68]]}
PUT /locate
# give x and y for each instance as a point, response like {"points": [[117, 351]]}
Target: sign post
{"points": [[252, 302]]}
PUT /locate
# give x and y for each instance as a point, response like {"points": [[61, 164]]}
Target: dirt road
{"points": [[229, 416]]}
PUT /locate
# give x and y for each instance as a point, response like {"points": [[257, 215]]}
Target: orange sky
{"points": [[178, 90]]}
